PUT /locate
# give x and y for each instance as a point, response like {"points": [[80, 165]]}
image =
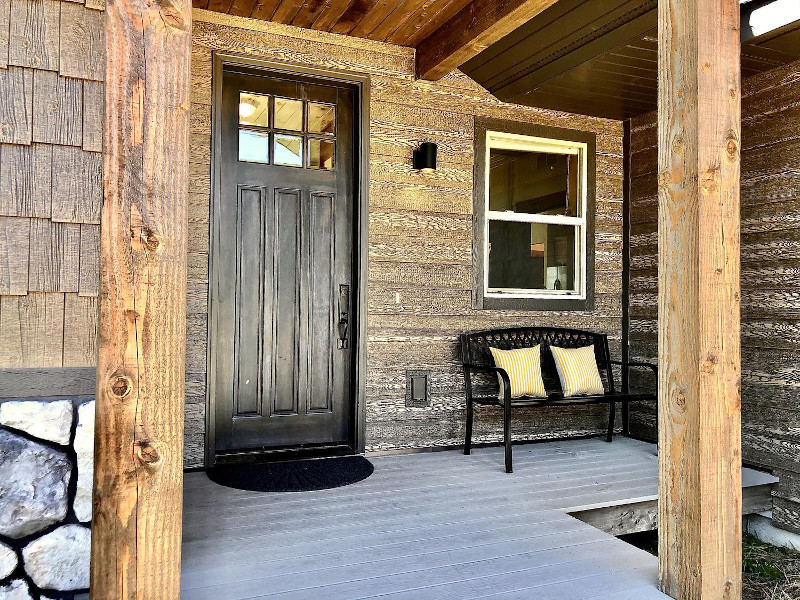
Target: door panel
{"points": [[285, 293], [282, 276], [318, 369], [248, 356]]}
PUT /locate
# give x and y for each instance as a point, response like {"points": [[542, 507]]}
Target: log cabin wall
{"points": [[420, 239], [52, 64], [770, 246]]}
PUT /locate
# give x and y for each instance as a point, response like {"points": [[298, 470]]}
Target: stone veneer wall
{"points": [[46, 462]]}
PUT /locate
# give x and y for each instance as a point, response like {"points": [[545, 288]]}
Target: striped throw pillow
{"points": [[524, 370], [577, 369]]}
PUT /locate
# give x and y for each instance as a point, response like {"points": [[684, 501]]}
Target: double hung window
{"points": [[535, 237]]}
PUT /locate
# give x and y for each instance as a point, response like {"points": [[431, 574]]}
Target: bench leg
{"points": [[626, 420], [468, 436], [611, 414], [507, 437]]}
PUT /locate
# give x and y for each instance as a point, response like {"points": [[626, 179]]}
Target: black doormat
{"points": [[293, 476]]}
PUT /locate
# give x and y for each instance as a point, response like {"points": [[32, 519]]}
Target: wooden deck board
{"points": [[430, 526], [431, 502]]}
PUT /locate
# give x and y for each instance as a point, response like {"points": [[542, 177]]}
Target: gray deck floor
{"points": [[429, 526]]}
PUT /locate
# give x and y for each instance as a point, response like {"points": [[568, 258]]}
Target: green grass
{"points": [[768, 572]]}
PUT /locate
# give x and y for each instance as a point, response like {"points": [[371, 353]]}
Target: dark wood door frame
{"points": [[361, 85]]}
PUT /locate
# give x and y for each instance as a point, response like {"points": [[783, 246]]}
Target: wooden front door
{"points": [[283, 297]]}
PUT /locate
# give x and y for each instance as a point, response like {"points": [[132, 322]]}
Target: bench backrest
{"points": [[475, 349]]}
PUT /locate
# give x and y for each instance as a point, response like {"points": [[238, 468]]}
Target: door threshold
{"points": [[283, 454]]}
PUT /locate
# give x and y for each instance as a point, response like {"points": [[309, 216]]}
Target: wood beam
{"points": [[699, 124], [138, 477], [476, 26]]}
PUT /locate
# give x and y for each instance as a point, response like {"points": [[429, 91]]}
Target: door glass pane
{"points": [[321, 118], [288, 114], [253, 109], [531, 256], [253, 146], [288, 150], [540, 183], [320, 154]]}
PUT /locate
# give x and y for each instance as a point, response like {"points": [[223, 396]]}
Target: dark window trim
{"points": [[482, 125]]}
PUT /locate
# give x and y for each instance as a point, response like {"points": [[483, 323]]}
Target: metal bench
{"points": [[477, 358]]}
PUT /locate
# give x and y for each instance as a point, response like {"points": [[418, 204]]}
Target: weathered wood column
{"points": [[698, 302], [136, 528]]}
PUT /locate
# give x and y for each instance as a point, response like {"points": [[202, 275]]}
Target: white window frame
{"points": [[527, 143]]}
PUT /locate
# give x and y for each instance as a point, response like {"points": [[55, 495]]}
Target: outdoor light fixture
{"points": [[425, 157]]}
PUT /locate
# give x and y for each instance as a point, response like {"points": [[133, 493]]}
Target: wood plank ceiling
{"points": [[593, 57], [402, 22], [445, 33], [600, 58]]}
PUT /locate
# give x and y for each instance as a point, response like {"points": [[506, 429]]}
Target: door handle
{"points": [[343, 341]]}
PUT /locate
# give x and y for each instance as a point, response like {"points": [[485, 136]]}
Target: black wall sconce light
{"points": [[425, 157]]}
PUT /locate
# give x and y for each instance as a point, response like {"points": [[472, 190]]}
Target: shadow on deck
{"points": [[440, 525]]}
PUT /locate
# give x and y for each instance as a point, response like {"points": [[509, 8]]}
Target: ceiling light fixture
{"points": [[246, 109]]}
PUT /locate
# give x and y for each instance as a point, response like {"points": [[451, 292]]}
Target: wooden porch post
{"points": [[698, 303], [136, 528]]}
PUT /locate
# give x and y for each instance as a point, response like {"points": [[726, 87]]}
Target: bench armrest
{"points": [[481, 369], [645, 365]]}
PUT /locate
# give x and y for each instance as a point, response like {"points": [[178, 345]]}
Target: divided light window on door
{"points": [[286, 131]]}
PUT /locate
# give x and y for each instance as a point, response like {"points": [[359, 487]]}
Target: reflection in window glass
{"points": [[321, 118], [288, 150], [253, 109], [531, 256], [253, 146], [320, 154], [288, 114], [538, 183]]}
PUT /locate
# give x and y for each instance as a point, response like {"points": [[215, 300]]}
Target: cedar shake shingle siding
{"points": [[52, 63]]}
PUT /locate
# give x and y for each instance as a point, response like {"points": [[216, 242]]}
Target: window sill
{"points": [[550, 304]]}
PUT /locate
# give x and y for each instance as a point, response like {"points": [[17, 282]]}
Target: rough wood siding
{"points": [[51, 106], [420, 244], [770, 204]]}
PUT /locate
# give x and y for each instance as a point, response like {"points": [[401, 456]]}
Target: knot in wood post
{"points": [[147, 454], [709, 364], [150, 240], [732, 148], [120, 386], [663, 180], [709, 183], [727, 589], [678, 144], [172, 15]]}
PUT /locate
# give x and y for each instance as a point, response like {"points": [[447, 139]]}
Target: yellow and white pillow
{"points": [[524, 370], [577, 369]]}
